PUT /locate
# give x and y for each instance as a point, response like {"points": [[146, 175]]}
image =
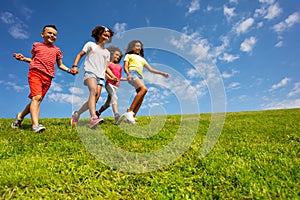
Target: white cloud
{"points": [[285, 104], [292, 19], [227, 75], [17, 32], [273, 11], [16, 26], [295, 90], [228, 57], [56, 87], [209, 8], [27, 12], [7, 18], [267, 1], [244, 26], [233, 1], [233, 86], [281, 84], [119, 28], [14, 86], [279, 44], [66, 98], [194, 6], [287, 23], [76, 90], [60, 97], [228, 12], [248, 44], [260, 24], [269, 10]]}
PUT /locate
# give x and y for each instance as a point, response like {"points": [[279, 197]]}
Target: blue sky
{"points": [[246, 50]]}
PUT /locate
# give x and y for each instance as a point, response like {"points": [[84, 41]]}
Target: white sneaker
{"points": [[129, 116]]}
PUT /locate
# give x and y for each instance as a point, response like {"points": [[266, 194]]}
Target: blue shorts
{"points": [[135, 75], [100, 81]]}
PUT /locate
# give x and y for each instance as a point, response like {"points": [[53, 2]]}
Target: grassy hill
{"points": [[256, 157]]}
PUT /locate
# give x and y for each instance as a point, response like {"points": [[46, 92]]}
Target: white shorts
{"points": [[112, 93]]}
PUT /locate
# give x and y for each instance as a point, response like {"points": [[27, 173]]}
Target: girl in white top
{"points": [[134, 63], [95, 67]]}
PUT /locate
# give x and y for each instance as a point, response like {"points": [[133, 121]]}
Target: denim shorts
{"points": [[100, 81], [135, 75]]}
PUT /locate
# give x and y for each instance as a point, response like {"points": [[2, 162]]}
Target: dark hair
{"points": [[99, 30], [113, 49], [50, 26], [131, 45]]}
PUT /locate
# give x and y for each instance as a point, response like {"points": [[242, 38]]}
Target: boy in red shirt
{"points": [[41, 73]]}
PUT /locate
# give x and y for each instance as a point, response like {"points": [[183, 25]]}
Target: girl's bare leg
{"points": [[85, 106], [141, 90], [93, 88]]}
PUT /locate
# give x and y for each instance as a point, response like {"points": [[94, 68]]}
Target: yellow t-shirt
{"points": [[135, 62]]}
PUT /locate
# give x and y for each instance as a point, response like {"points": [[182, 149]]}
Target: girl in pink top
{"points": [[112, 86]]}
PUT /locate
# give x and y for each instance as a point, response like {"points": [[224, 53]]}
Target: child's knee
{"points": [[93, 92], [142, 89], [37, 98]]}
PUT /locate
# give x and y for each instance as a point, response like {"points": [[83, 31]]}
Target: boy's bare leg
{"points": [[25, 112], [35, 109]]}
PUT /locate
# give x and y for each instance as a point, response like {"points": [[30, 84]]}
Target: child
{"points": [[95, 66], [133, 65], [41, 72], [111, 86]]}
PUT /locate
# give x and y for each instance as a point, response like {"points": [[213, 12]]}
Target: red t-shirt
{"points": [[116, 69], [44, 57]]}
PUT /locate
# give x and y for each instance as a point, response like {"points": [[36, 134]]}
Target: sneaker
{"points": [[94, 122], [117, 117], [120, 119], [38, 128], [17, 122], [130, 117], [101, 120], [75, 118]]}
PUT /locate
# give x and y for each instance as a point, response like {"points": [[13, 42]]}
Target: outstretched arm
{"points": [[21, 57], [155, 71]]}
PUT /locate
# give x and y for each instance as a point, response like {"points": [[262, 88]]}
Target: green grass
{"points": [[256, 157]]}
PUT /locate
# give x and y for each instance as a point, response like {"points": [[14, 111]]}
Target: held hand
{"points": [[74, 70], [129, 77], [115, 80]]}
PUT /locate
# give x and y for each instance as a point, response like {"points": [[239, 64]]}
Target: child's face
{"points": [[49, 35], [137, 48], [104, 37], [116, 57]]}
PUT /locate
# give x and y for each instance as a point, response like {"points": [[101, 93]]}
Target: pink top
{"points": [[44, 57], [116, 69]]}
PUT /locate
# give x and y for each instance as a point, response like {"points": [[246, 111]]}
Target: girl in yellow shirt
{"points": [[134, 62]]}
